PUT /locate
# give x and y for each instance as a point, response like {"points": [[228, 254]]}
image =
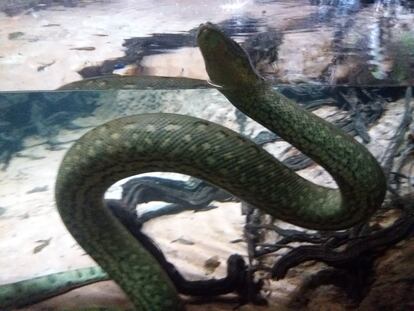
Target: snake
{"points": [[166, 142], [118, 82]]}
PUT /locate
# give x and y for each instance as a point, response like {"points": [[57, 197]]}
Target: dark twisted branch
{"points": [[236, 280], [369, 246], [353, 251]]}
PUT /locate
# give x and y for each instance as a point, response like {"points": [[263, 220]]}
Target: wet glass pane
{"points": [[69, 66]]}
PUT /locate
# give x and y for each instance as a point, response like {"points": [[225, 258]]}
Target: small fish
{"points": [[237, 241], [38, 189], [183, 241], [42, 245], [51, 25], [84, 48], [42, 67]]}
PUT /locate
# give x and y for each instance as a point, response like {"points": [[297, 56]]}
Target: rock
{"points": [[391, 290], [393, 287]]}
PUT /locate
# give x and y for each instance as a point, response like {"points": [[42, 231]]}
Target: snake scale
{"points": [[176, 143]]}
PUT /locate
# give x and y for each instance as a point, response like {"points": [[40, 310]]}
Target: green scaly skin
{"points": [[183, 144], [26, 292], [116, 82]]}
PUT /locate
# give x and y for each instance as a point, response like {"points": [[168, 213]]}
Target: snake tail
{"points": [[20, 294]]}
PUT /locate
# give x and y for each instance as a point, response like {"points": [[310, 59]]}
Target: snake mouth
{"points": [[209, 36], [227, 63], [214, 43], [204, 28]]}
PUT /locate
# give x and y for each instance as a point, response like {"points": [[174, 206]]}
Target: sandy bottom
{"points": [[31, 220], [35, 241]]}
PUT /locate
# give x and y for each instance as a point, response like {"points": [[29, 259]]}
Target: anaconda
{"points": [[175, 143]]}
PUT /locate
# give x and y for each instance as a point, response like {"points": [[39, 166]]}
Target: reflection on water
{"points": [[352, 42], [377, 41], [373, 37], [370, 40]]}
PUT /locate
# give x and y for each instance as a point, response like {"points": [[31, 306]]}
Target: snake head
{"points": [[227, 64]]}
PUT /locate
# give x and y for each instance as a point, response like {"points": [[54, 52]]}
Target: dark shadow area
{"points": [[40, 114]]}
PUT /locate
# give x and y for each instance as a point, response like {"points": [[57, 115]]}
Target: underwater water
{"points": [[180, 213], [67, 67]]}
